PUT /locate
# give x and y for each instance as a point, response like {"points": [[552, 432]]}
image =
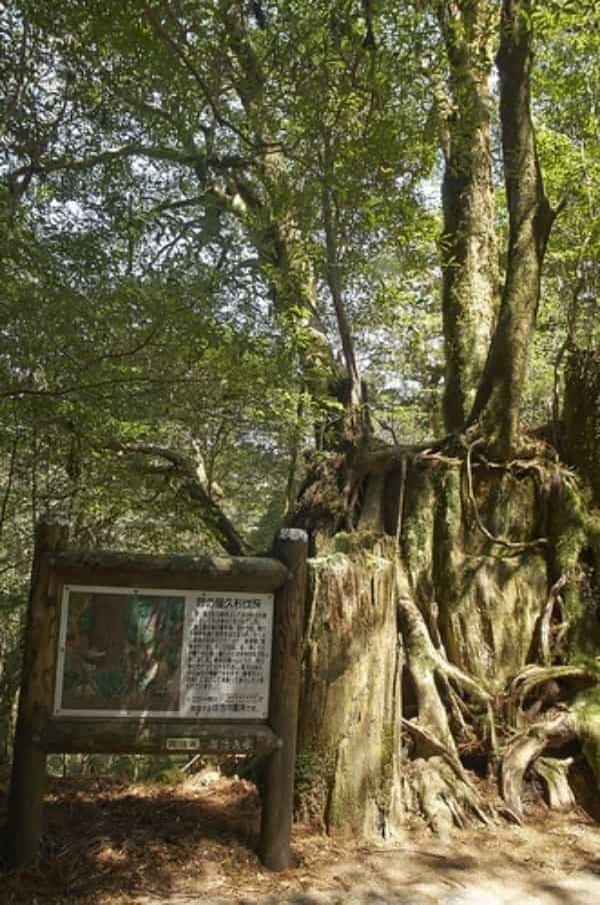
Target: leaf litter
{"points": [[147, 844]]}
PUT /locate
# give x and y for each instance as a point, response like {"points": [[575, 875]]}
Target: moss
{"points": [[593, 529], [350, 542], [568, 528], [586, 711], [314, 777], [515, 510], [388, 751], [574, 535], [343, 803]]}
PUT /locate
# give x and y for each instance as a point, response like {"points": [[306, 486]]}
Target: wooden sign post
{"points": [[24, 819], [278, 796], [210, 690]]}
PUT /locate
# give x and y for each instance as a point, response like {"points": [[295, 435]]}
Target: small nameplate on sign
{"points": [[183, 744]]}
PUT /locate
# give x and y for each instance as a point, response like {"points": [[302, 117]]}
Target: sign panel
{"points": [[151, 652], [226, 660]]}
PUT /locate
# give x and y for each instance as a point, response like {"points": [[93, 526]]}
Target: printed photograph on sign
{"points": [[120, 652], [226, 661]]}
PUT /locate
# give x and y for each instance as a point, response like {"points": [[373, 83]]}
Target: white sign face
{"points": [[150, 652], [226, 660]]}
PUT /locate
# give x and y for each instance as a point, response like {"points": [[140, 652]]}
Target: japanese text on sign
{"points": [[227, 655]]}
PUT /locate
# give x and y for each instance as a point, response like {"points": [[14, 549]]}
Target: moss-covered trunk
{"points": [[468, 245], [498, 400], [349, 732], [582, 416], [428, 648]]}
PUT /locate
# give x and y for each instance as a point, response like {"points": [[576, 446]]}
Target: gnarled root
{"points": [[441, 789], [523, 750], [426, 663], [553, 772], [435, 791], [532, 677]]}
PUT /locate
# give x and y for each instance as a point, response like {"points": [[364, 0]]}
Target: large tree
{"points": [[222, 210], [487, 585]]}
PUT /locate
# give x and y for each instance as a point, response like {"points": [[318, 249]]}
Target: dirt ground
{"points": [[106, 842]]}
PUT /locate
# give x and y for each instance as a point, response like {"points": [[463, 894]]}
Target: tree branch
{"points": [[165, 153], [188, 474]]}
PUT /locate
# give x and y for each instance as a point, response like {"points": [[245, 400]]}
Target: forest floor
{"points": [[192, 844]]}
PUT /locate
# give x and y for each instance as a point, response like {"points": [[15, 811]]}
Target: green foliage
{"points": [[169, 173], [567, 98]]}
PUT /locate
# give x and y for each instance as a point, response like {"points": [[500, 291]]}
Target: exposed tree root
{"points": [[471, 608], [426, 664], [469, 794], [436, 748], [533, 676], [441, 797], [553, 772], [445, 794], [422, 664], [545, 653], [523, 750]]}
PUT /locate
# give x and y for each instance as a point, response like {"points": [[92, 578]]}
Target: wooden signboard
{"points": [[126, 652], [147, 654]]}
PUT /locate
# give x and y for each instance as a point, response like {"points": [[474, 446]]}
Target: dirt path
{"points": [[109, 844], [554, 864]]}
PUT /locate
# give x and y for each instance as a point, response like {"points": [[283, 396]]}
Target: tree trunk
{"points": [[458, 574], [349, 732], [271, 222], [414, 638], [582, 416], [497, 404], [468, 244]]}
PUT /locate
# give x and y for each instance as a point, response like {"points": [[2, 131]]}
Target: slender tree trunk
{"points": [[469, 247], [498, 399], [270, 221], [335, 281]]}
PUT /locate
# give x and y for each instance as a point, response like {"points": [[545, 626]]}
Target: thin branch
{"points": [[186, 62], [9, 479], [166, 153], [126, 353], [20, 392], [187, 472]]}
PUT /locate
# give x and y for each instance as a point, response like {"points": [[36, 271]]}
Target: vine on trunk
{"points": [[491, 682]]}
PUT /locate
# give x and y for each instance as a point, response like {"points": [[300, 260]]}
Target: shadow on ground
{"points": [[104, 840], [110, 844]]}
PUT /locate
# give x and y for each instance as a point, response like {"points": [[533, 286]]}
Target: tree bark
{"points": [[468, 243], [497, 404], [269, 218], [25, 800], [582, 416], [333, 272]]}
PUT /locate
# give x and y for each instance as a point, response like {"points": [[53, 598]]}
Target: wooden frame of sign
{"points": [[52, 718]]}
